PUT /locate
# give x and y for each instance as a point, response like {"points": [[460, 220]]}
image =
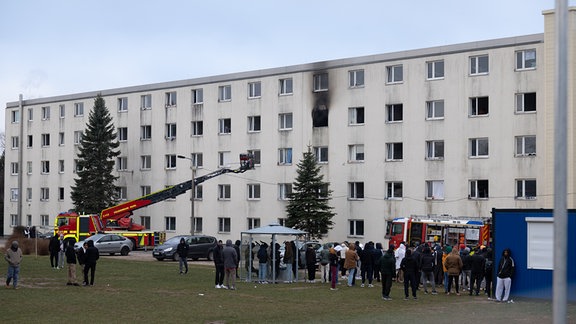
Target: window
{"points": [[285, 121], [13, 194], [197, 96], [14, 220], [285, 156], [123, 104], [77, 137], [44, 220], [61, 139], [145, 221], [253, 191], [145, 132], [122, 193], [170, 100], [356, 227], [15, 116], [525, 145], [282, 221], [435, 69], [478, 189], [478, 147], [394, 151], [45, 139], [356, 153], [78, 109], [525, 102], [320, 82], [14, 168], [285, 86], [253, 223], [525, 188], [60, 193], [44, 194], [434, 150], [356, 116], [254, 89], [223, 192], [170, 223], [15, 142], [30, 141], [77, 166], [62, 109], [60, 166], [45, 167], [197, 128], [225, 93], [479, 65], [393, 190], [394, 74], [29, 167], [145, 190], [224, 159], [224, 126], [171, 131], [30, 114], [171, 161], [394, 113], [45, 113], [355, 190], [356, 78], [255, 156], [122, 134], [223, 224], [28, 194], [197, 160], [254, 124], [146, 102], [435, 189], [478, 106], [435, 109], [526, 59], [122, 163], [284, 191], [198, 192], [198, 224], [145, 162], [321, 153]]}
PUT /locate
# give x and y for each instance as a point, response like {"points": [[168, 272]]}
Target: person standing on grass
{"points": [[71, 261], [377, 253], [219, 265], [408, 266], [311, 263], [504, 276], [466, 268], [399, 254], [453, 265], [350, 261], [230, 262], [54, 248], [478, 263], [262, 263], [91, 256], [488, 272], [288, 261], [367, 264], [388, 270], [427, 264], [14, 258], [182, 250], [333, 261], [324, 263], [237, 249], [61, 251]]}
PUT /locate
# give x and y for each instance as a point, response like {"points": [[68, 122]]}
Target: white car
{"points": [[109, 243]]}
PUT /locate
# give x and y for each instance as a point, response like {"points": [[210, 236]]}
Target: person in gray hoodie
{"points": [[230, 263], [14, 258]]}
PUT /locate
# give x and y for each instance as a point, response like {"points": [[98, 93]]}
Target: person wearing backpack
{"points": [[428, 261]]}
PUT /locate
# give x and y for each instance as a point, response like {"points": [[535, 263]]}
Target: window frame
{"points": [[356, 78], [122, 134], [170, 223], [356, 228], [431, 109], [146, 102], [476, 65], [356, 190], [284, 191], [224, 126], [256, 156], [520, 103], [522, 190], [391, 189], [478, 189], [254, 90], [224, 159], [197, 96], [520, 57], [392, 151], [170, 99], [145, 162], [392, 74], [356, 116], [285, 156], [521, 145], [254, 191], [433, 187], [476, 106], [146, 132], [321, 154], [170, 131], [224, 225], [320, 82], [197, 128], [474, 147], [392, 110], [225, 93], [356, 153], [285, 121], [123, 104], [432, 68], [224, 192], [286, 87], [78, 109], [122, 163], [170, 161], [431, 150]]}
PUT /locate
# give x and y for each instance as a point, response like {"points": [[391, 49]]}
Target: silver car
{"points": [[109, 243]]}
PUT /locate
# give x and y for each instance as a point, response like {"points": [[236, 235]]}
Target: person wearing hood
{"points": [[237, 249], [14, 258], [408, 266], [367, 264], [219, 265], [388, 270], [263, 263], [466, 268], [90, 257], [230, 261], [399, 255], [333, 261], [427, 264], [453, 264], [504, 276], [182, 250]]}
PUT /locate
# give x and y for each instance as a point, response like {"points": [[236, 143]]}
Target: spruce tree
{"points": [[94, 188], [308, 208]]}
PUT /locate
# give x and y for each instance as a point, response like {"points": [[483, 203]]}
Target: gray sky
{"points": [[58, 47]]}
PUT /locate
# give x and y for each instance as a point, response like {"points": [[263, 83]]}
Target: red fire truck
{"points": [[117, 219], [444, 229]]}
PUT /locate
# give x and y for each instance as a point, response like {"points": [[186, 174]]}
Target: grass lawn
{"points": [[128, 291]]}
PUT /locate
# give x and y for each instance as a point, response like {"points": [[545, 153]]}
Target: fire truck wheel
{"points": [[176, 256], [125, 250]]}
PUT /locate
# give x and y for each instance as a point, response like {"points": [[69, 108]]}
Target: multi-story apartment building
{"points": [[456, 129]]}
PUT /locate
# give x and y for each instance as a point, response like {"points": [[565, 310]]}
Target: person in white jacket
{"points": [[399, 254]]}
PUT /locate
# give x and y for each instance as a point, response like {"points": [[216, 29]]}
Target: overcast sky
{"points": [[58, 47]]}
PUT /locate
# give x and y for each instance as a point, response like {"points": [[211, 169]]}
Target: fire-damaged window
{"points": [[321, 82], [320, 111], [478, 189], [479, 106]]}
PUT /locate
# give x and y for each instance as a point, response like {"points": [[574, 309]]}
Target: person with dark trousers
{"points": [[182, 250], [275, 258], [409, 267], [488, 272], [417, 255], [377, 254], [388, 270], [311, 263], [237, 249], [219, 265], [54, 248], [477, 263], [91, 256], [367, 264]]}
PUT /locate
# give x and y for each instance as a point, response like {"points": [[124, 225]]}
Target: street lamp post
{"points": [[192, 225]]}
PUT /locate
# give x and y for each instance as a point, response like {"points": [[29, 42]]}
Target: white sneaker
{"points": [[218, 287], [370, 286], [362, 285]]}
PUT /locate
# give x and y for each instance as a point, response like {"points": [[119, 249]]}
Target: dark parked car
{"points": [[201, 246]]}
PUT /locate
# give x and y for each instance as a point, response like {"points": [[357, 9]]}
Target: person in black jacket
{"points": [[263, 263], [237, 249], [477, 262], [182, 250], [504, 276], [311, 263], [54, 248], [427, 264], [409, 266], [91, 256], [367, 264], [71, 261], [219, 265]]}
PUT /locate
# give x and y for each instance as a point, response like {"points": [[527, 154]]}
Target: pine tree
{"points": [[95, 189], [308, 208]]}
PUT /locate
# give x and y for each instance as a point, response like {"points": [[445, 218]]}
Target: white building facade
{"points": [[456, 130]]}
